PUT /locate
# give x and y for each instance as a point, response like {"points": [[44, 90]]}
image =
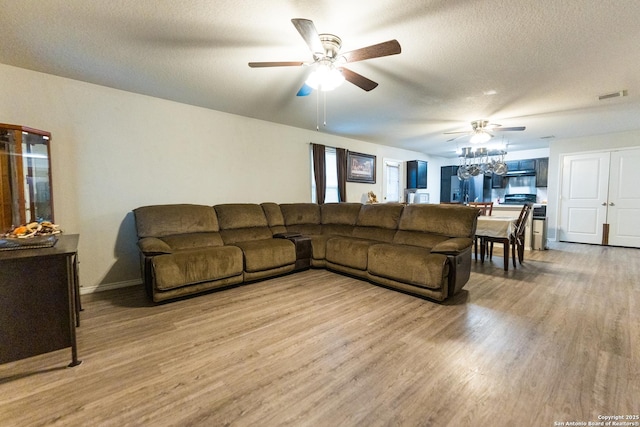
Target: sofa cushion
{"points": [[453, 246], [319, 246], [166, 220], [303, 218], [196, 266], [417, 238], [260, 255], [300, 213], [380, 215], [339, 219], [240, 215], [193, 240], [374, 233], [274, 217], [230, 237], [378, 222], [408, 264], [348, 251], [240, 222], [446, 220], [153, 246], [340, 213], [337, 229]]}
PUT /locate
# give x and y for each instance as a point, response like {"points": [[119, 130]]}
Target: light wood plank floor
{"points": [[553, 341]]}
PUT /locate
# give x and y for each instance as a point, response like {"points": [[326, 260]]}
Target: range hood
{"points": [[521, 172], [521, 184]]}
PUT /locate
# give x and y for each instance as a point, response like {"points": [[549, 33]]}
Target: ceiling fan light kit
{"points": [[325, 77], [480, 137]]}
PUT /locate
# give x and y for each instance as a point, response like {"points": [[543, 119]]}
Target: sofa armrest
{"points": [[153, 246], [453, 246]]}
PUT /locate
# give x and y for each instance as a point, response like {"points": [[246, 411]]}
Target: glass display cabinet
{"points": [[25, 175]]}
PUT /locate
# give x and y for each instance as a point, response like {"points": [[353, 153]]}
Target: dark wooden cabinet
{"points": [[416, 174], [513, 165], [498, 181], [542, 171], [521, 165], [38, 300], [528, 164]]}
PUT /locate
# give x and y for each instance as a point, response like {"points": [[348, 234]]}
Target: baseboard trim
{"points": [[109, 286]]}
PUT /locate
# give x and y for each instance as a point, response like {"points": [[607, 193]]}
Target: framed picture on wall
{"points": [[361, 168]]}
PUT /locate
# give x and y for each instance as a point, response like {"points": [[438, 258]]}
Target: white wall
{"points": [[113, 151], [560, 148]]}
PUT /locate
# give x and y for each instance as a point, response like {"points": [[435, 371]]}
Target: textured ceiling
{"points": [[545, 61]]}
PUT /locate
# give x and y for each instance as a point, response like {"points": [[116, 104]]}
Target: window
{"points": [[331, 195]]}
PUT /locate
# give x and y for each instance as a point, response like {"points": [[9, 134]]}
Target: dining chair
{"points": [[486, 208], [519, 235], [515, 241]]}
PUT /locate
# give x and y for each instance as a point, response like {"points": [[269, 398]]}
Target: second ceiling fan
{"points": [[481, 131], [329, 63]]}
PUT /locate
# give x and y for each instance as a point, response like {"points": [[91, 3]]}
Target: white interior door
{"points": [[624, 199], [391, 182], [585, 182]]}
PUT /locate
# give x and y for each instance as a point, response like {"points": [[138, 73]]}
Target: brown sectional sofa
{"points": [[421, 249]]}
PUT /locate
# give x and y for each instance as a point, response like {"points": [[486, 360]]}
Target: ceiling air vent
{"points": [[613, 95]]}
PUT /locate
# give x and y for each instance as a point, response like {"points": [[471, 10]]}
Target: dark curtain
{"points": [[341, 160], [319, 172]]}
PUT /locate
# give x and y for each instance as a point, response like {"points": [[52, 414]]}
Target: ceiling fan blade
{"points": [[454, 138], [458, 131], [309, 33], [276, 64], [359, 80], [514, 128], [391, 47], [304, 90]]}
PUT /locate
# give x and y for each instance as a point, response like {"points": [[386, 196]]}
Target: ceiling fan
{"points": [[481, 131], [329, 70]]}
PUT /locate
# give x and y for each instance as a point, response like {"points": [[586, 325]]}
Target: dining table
{"points": [[497, 227]]}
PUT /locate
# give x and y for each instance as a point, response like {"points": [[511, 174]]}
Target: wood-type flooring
{"points": [[556, 340]]}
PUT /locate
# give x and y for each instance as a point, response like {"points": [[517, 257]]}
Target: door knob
{"points": [[604, 204], [612, 204]]}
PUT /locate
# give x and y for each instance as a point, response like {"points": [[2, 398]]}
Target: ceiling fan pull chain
{"points": [[318, 111], [324, 106]]}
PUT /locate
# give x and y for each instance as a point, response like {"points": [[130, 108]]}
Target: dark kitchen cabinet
{"points": [[513, 165], [521, 165], [416, 174], [529, 165], [498, 181], [542, 171]]}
